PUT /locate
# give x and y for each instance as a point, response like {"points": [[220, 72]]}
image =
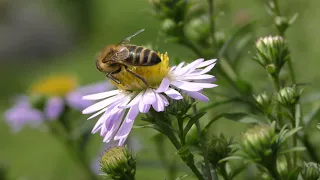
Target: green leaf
{"points": [[239, 117], [318, 126], [152, 126], [294, 149], [311, 115], [192, 120], [232, 37], [230, 158], [181, 177], [293, 18], [290, 133], [212, 105], [298, 115]]}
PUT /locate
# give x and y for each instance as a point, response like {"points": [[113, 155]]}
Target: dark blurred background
{"points": [[46, 37]]}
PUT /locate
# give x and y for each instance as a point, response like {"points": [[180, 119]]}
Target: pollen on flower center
{"points": [[152, 74], [54, 86]]}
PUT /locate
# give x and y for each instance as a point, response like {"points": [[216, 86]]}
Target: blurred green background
{"points": [[39, 38]]}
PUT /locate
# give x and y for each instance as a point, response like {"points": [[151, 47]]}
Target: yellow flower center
{"points": [[152, 74], [54, 86]]}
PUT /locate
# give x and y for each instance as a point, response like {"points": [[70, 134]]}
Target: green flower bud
{"points": [[168, 26], [310, 171], [118, 163], [220, 38], [198, 29], [282, 23], [288, 96], [259, 144], [284, 172], [272, 53], [263, 102], [218, 148]]}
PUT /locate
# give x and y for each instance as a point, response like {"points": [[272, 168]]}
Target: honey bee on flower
{"points": [[143, 88]]}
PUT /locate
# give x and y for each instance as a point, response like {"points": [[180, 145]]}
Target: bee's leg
{"points": [[138, 76], [110, 76]]}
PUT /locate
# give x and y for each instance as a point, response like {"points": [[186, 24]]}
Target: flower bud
{"points": [[168, 26], [198, 29], [218, 148], [220, 38], [260, 145], [263, 102], [310, 171], [282, 23], [284, 172], [288, 96], [118, 163], [272, 53]]}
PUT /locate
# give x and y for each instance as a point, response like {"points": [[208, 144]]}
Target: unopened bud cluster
{"points": [[259, 143], [288, 96], [310, 171], [272, 53], [218, 148], [118, 163], [264, 101]]}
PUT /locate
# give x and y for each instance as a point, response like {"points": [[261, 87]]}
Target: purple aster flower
{"points": [[22, 113], [133, 95]]}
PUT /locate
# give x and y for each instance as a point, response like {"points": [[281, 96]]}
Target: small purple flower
{"points": [[22, 113], [190, 79]]}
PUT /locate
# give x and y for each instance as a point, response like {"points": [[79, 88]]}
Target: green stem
{"points": [[202, 143], [282, 33], [276, 85], [273, 171], [223, 172], [191, 165], [276, 7], [291, 72], [187, 157], [295, 139], [211, 20]]}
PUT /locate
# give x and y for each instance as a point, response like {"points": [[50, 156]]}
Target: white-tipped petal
{"points": [[101, 95]]}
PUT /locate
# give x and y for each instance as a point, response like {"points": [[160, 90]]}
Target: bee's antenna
{"points": [[126, 40]]}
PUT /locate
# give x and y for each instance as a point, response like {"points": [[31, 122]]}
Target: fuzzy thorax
{"points": [[152, 74]]}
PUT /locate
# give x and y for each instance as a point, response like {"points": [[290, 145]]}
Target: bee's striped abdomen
{"points": [[140, 56]]}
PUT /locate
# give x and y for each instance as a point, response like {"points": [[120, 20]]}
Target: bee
{"points": [[115, 58]]}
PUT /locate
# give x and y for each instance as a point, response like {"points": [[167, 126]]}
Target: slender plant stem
{"points": [[295, 138], [211, 20], [282, 33], [276, 7], [273, 171], [202, 144], [276, 85], [223, 172], [193, 168], [172, 137]]}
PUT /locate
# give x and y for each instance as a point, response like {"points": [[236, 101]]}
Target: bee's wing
{"points": [[127, 40], [122, 54]]}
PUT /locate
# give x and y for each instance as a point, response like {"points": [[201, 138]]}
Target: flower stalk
{"points": [[202, 143]]}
